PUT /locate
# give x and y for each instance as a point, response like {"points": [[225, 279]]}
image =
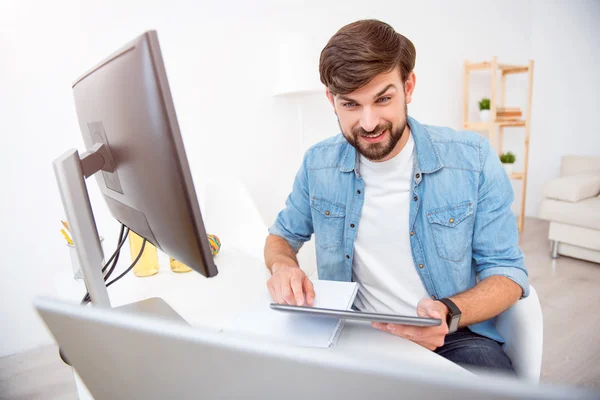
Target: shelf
{"points": [[511, 122], [505, 68], [500, 114], [484, 126]]}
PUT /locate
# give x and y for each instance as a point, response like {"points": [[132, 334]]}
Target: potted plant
{"points": [[508, 160], [484, 109]]}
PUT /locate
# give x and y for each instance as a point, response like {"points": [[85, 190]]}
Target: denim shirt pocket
{"points": [[452, 229], [328, 222]]}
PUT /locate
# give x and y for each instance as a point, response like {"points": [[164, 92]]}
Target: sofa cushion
{"points": [[585, 213], [573, 188]]}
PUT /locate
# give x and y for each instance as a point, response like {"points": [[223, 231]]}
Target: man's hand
{"points": [[289, 285], [430, 337]]}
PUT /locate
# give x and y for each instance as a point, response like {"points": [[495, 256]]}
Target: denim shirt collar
{"points": [[427, 157]]}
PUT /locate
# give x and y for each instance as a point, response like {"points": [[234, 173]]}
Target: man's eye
{"points": [[349, 105], [383, 99]]}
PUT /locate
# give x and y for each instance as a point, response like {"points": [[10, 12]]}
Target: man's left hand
{"points": [[430, 337]]}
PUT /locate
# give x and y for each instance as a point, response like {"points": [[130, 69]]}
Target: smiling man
{"points": [[420, 216]]}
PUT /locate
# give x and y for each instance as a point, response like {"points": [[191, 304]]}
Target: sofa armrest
{"points": [[573, 188]]}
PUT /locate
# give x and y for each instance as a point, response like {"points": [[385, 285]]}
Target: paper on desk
{"points": [[301, 330]]}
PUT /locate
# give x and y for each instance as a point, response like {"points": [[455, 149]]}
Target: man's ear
{"points": [[330, 97], [409, 87]]}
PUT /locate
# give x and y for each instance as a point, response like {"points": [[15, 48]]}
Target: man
{"points": [[418, 215]]}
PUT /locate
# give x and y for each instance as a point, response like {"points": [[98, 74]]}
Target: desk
{"points": [[212, 303]]}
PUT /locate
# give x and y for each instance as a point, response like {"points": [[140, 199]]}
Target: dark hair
{"points": [[360, 51]]}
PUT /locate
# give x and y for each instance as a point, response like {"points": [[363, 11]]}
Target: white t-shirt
{"points": [[383, 264]]}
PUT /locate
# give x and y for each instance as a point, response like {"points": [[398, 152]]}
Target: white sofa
{"points": [[572, 205]]}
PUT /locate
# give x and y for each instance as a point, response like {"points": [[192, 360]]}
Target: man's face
{"points": [[373, 118]]}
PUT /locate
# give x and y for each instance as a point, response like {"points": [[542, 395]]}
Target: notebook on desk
{"points": [[300, 330]]}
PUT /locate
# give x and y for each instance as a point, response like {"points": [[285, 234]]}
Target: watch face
{"points": [[453, 325]]}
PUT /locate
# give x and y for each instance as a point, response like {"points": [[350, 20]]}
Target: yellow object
{"points": [[215, 246], [65, 224], [178, 266], [68, 239], [147, 265]]}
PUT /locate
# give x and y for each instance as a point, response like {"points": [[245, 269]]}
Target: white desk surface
{"points": [[213, 303]]}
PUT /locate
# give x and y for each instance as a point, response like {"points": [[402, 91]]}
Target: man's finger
{"points": [[422, 312], [296, 283], [410, 332], [378, 325], [286, 292], [277, 289], [309, 290], [272, 290]]}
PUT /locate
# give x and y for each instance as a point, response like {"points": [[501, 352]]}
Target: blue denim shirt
{"points": [[462, 229]]}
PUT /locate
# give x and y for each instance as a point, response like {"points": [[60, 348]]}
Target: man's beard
{"points": [[377, 151]]}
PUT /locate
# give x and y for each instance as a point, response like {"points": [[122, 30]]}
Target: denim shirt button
{"points": [[412, 233], [433, 297], [420, 265], [347, 256]]}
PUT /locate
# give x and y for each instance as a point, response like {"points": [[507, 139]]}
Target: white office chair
{"points": [[230, 213], [522, 328]]}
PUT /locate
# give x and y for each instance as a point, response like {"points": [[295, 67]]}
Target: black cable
{"points": [[122, 239], [87, 299], [131, 266], [114, 258]]}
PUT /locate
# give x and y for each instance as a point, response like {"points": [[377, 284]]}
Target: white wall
{"points": [[565, 39], [220, 60]]}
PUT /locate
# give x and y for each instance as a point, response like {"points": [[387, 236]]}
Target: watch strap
{"points": [[454, 314], [454, 310]]}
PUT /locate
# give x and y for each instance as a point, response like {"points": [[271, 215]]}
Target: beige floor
{"points": [[568, 290]]}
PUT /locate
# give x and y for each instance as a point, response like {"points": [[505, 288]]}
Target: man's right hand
{"points": [[290, 285]]}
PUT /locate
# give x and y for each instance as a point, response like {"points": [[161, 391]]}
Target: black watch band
{"points": [[453, 315]]}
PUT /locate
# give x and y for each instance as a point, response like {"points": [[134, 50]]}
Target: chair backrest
{"points": [[230, 213], [522, 327]]}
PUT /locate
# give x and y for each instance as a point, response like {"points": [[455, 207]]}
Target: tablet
{"points": [[357, 315]]}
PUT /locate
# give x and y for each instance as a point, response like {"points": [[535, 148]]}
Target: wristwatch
{"points": [[453, 315]]}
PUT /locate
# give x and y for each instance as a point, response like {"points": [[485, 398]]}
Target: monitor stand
{"points": [[71, 170]]}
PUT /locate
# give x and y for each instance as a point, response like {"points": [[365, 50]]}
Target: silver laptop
{"points": [[132, 354]]}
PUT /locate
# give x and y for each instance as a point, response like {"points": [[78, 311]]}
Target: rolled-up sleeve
{"points": [[294, 222], [496, 249]]}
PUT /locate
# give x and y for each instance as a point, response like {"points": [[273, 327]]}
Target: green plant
{"points": [[484, 104], [507, 158]]}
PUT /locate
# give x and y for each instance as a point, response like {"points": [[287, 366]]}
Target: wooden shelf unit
{"points": [[495, 126]]}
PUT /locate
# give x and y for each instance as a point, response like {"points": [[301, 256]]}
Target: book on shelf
{"points": [[509, 114], [502, 116]]}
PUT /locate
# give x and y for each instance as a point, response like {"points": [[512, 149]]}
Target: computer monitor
{"points": [[150, 356], [135, 149]]}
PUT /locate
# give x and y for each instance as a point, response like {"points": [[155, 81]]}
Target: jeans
{"points": [[468, 349]]}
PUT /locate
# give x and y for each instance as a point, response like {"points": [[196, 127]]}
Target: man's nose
{"points": [[369, 120]]}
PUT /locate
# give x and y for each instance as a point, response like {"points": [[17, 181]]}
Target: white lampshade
{"points": [[297, 66]]}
